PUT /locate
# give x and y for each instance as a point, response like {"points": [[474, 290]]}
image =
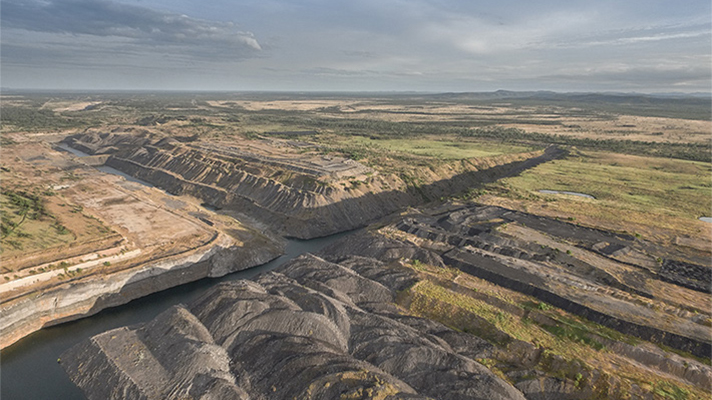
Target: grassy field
{"points": [[440, 148], [630, 191], [33, 221], [27, 225]]}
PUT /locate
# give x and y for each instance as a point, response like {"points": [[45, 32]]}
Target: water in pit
{"points": [[706, 219], [29, 368]]}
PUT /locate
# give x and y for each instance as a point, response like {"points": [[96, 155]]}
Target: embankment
{"points": [[301, 211], [85, 296], [649, 333]]}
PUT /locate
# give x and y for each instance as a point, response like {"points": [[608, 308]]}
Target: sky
{"points": [[646, 46]]}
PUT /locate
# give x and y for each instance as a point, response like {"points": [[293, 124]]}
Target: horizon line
{"points": [[394, 92]]}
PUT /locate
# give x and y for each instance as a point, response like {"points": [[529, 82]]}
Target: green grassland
{"points": [[647, 191], [441, 148], [27, 225], [34, 221]]}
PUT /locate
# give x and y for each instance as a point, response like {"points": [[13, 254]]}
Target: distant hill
{"points": [[607, 97]]}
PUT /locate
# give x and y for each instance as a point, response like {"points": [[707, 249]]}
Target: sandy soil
{"points": [[67, 106], [99, 210]]}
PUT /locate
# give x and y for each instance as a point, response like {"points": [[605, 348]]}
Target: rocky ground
{"points": [[312, 329], [378, 317], [614, 279]]}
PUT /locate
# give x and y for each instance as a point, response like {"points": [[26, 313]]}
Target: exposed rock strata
{"points": [[537, 375], [335, 325], [89, 295], [310, 330], [300, 206], [564, 265], [693, 276]]}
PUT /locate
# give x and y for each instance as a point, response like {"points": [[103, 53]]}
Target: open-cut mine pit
{"points": [[115, 241], [402, 313], [301, 193], [487, 259]]}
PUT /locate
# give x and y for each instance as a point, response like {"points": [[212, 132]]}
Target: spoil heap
{"points": [[375, 317], [312, 329]]}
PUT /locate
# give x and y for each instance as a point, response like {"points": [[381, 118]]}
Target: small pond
{"points": [[588, 196], [706, 219]]}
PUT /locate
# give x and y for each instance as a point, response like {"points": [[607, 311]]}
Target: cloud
{"points": [[638, 36], [363, 45], [138, 25]]}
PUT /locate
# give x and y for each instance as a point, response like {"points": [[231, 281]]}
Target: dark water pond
{"points": [[588, 196], [29, 369]]}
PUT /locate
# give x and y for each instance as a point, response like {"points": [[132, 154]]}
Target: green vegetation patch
{"points": [[445, 149], [573, 334], [668, 390], [33, 119], [663, 192], [683, 151], [35, 220], [26, 223]]}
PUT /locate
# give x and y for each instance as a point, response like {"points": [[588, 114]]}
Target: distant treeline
{"points": [[385, 129], [684, 151], [36, 119]]}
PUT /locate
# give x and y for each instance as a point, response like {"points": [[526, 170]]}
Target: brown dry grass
{"points": [[565, 121]]}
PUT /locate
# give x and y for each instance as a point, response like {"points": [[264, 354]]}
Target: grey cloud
{"points": [[325, 71], [360, 73], [649, 34], [69, 57], [111, 19], [362, 45], [360, 54]]}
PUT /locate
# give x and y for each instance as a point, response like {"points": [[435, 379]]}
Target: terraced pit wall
{"points": [[85, 296], [295, 212], [695, 347]]}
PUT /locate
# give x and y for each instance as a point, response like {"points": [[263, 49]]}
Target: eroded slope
{"points": [[377, 317], [312, 329], [289, 185]]}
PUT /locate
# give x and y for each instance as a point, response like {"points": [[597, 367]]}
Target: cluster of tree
{"points": [[26, 205], [684, 151], [35, 119]]}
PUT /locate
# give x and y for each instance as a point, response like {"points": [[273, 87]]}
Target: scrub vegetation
{"points": [[645, 159], [566, 346], [639, 194]]}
